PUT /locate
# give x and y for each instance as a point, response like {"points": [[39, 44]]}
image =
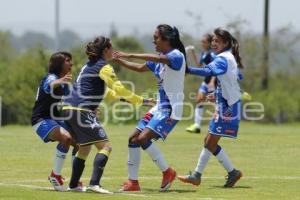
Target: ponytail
{"points": [[177, 44], [94, 49], [235, 51]]}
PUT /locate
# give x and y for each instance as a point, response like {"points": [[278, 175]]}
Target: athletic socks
{"points": [[203, 160], [99, 165], [134, 159], [156, 156], [77, 169], [223, 159], [59, 160], [198, 115], [75, 150]]}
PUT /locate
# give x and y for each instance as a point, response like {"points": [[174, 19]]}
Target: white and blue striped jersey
{"points": [[224, 67], [170, 79]]}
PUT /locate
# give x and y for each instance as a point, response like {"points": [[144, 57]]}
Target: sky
{"points": [[93, 17]]}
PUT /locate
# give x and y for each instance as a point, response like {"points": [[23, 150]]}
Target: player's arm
{"points": [[146, 57], [132, 66], [65, 79], [52, 81], [196, 60], [108, 75], [217, 67], [111, 94], [191, 49]]}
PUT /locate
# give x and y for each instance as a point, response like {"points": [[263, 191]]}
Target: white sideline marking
{"points": [[158, 177], [27, 186], [50, 188]]}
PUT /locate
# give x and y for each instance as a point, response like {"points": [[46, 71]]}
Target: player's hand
{"points": [[67, 78], [119, 54], [190, 48], [211, 98], [149, 102]]}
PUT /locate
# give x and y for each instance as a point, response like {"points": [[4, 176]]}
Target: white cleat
{"points": [[97, 189], [77, 189], [57, 182]]}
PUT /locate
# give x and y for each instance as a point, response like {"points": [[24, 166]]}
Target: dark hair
{"points": [[172, 35], [209, 37], [57, 61], [233, 44], [207, 79], [94, 49]]}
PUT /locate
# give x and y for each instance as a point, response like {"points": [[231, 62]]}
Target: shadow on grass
{"points": [[235, 187], [169, 191]]}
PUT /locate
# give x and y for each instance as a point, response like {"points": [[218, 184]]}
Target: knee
{"points": [[108, 147], [142, 140], [67, 141], [211, 147]]}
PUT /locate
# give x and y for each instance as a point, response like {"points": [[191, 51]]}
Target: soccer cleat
{"points": [[246, 96], [194, 128], [130, 186], [232, 178], [168, 177], [192, 178], [77, 189], [57, 181], [97, 189]]}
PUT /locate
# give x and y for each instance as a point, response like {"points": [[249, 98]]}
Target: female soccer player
{"points": [[169, 68], [45, 112], [207, 86], [96, 79], [226, 121]]}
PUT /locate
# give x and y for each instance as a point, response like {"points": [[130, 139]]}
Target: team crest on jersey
{"points": [[219, 129], [101, 133]]}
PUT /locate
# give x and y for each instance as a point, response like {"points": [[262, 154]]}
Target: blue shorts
{"points": [[43, 128], [226, 120], [203, 88], [159, 122]]}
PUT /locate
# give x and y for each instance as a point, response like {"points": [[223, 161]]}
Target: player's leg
{"points": [[233, 174], [159, 126], [195, 177], [64, 138], [157, 157], [104, 149], [78, 167], [134, 156], [196, 127], [134, 159]]}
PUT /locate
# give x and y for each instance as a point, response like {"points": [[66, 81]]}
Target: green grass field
{"points": [[268, 155]]}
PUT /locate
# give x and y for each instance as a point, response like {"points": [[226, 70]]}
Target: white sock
{"points": [[224, 160], [59, 161], [134, 158], [157, 157], [198, 115], [203, 160]]}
